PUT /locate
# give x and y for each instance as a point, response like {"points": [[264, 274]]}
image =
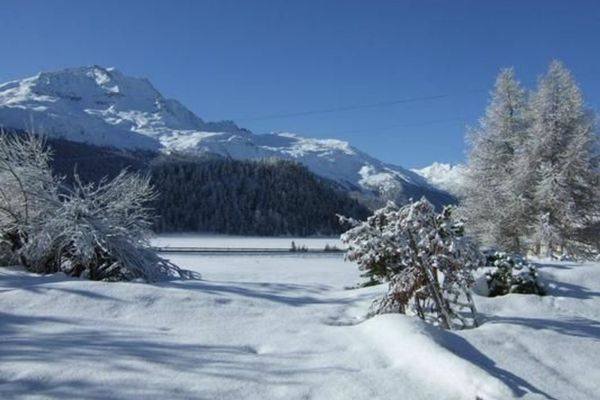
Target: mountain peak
{"points": [[102, 106], [447, 177], [98, 105], [91, 82]]}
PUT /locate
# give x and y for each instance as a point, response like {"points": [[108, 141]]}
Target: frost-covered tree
{"points": [[495, 203], [533, 180], [28, 190], [427, 259], [562, 159], [371, 245], [100, 231], [97, 231]]}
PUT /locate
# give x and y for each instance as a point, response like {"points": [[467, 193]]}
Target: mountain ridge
{"points": [[447, 177], [102, 106]]}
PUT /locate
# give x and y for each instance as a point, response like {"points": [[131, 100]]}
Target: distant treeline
{"points": [[214, 194], [271, 197]]}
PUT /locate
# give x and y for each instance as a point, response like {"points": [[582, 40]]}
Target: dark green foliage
{"points": [[213, 194], [511, 274], [92, 163], [271, 197], [298, 249]]}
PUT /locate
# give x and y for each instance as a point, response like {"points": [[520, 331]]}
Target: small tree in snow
{"points": [[28, 190], [430, 266], [371, 246], [97, 231], [100, 232]]}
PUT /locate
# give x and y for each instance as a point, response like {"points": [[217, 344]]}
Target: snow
{"points": [[102, 106], [270, 327], [445, 176], [425, 354], [226, 241]]}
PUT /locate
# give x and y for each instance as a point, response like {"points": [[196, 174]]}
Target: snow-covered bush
{"points": [[427, 259], [511, 274], [372, 247], [7, 255], [98, 231], [28, 190]]}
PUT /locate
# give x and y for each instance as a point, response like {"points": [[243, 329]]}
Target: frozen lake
{"points": [[226, 241]]}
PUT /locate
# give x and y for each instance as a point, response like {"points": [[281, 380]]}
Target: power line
{"points": [[358, 106], [407, 100], [407, 125]]}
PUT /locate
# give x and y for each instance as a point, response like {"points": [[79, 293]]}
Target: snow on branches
{"points": [[371, 245], [511, 274], [424, 256], [98, 231], [28, 191], [534, 169]]}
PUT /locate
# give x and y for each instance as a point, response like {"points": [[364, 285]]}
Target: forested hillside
{"points": [[271, 197], [214, 194]]}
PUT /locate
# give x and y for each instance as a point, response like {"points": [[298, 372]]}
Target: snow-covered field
{"points": [[227, 241], [286, 327]]}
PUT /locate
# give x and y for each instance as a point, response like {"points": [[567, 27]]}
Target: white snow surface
{"points": [[446, 177], [232, 242], [286, 327], [102, 106]]}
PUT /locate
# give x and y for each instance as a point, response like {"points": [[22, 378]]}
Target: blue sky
{"points": [[257, 61]]}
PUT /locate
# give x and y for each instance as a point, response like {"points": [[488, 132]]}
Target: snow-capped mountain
{"points": [[102, 106], [98, 106], [445, 176]]}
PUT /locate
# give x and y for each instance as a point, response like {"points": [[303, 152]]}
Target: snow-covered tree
{"points": [[495, 203], [371, 245], [426, 258], [533, 179], [97, 231], [100, 232], [562, 158], [28, 190]]}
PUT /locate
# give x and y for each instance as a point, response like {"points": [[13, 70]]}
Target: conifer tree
{"points": [[562, 161], [494, 205], [533, 168]]}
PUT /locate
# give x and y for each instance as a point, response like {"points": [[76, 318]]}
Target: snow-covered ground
{"points": [[286, 327]]}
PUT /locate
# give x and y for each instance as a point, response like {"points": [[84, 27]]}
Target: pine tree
{"points": [[563, 162], [533, 179], [494, 202]]}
